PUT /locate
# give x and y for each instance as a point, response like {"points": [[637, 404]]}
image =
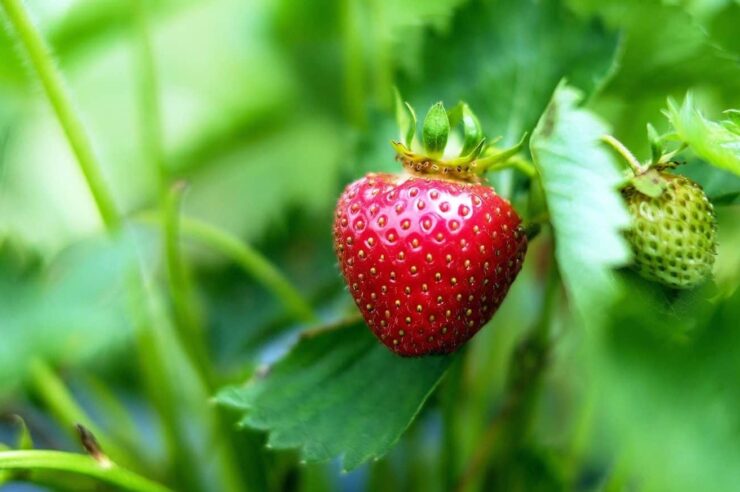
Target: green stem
{"points": [[623, 151], [161, 355], [352, 31], [250, 260], [148, 94], [56, 397], [526, 369], [78, 464], [120, 422], [619, 479], [171, 379], [183, 299], [382, 66], [454, 381], [42, 62]]}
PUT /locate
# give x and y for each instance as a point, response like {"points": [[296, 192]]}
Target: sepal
{"points": [[656, 144], [436, 130], [472, 130], [650, 183], [494, 156], [406, 119]]}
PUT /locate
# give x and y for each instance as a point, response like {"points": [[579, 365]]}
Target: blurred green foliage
{"points": [[267, 109]]}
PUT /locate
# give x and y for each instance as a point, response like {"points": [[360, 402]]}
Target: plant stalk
{"points": [[183, 299], [79, 464], [150, 115], [189, 320], [250, 260], [353, 60], [42, 63], [454, 383], [55, 395]]}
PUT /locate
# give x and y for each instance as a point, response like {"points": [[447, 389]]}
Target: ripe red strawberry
{"points": [[429, 255], [428, 261]]}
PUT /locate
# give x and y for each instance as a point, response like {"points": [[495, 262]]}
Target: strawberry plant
{"points": [[231, 258]]}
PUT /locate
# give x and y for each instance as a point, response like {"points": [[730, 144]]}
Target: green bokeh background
{"points": [[268, 108]]}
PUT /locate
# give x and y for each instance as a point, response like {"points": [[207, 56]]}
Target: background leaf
{"points": [[665, 364], [505, 58], [269, 109], [221, 119], [71, 311], [722, 187], [337, 379], [665, 51]]}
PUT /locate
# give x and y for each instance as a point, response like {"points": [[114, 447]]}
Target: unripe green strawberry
{"points": [[673, 235]]}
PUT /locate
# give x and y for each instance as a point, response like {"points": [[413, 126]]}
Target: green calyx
{"points": [[465, 156], [647, 178]]}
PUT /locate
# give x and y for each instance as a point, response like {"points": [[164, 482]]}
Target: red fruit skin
{"points": [[427, 261]]}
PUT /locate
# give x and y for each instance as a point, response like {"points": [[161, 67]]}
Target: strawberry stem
{"points": [[628, 156]]}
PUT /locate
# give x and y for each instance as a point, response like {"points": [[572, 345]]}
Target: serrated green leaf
{"points": [[580, 182], [717, 143], [338, 393]]}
